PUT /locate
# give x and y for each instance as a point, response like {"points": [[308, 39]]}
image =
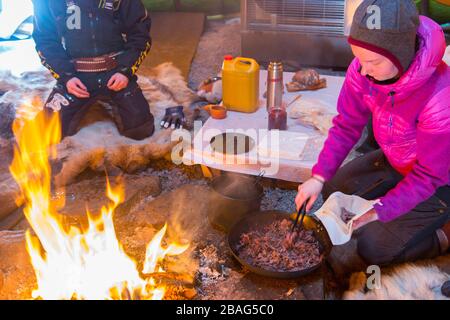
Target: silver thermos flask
{"points": [[274, 85]]}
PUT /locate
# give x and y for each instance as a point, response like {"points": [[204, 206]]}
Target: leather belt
{"points": [[102, 63]]}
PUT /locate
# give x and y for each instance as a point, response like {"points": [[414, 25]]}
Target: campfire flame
{"points": [[71, 263]]}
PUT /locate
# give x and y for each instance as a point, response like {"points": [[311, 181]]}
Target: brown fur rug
{"points": [[98, 144]]}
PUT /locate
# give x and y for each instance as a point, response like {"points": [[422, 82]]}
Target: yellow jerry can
{"points": [[240, 84]]}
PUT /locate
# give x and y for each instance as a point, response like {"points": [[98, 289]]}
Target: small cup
{"points": [[216, 111]]}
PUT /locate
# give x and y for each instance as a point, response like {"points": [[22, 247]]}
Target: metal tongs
{"points": [[301, 212]]}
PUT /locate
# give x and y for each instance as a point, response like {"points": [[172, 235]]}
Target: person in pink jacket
{"points": [[398, 80]]}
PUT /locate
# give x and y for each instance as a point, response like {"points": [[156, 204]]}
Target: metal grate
{"points": [[324, 17]]}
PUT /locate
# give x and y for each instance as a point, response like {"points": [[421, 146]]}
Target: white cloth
{"points": [[287, 145], [294, 165], [330, 215], [447, 56]]}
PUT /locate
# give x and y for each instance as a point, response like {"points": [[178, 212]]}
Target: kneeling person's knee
{"points": [[374, 247], [136, 120]]}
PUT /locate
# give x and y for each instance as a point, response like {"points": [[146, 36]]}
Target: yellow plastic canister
{"points": [[240, 84]]}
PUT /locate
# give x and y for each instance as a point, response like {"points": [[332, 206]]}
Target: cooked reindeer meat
{"points": [[346, 216], [274, 248], [306, 79], [289, 240]]}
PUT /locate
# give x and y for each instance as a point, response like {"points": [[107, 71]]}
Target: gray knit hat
{"points": [[388, 27]]}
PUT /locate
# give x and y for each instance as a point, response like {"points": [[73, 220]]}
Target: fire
{"points": [[71, 263]]}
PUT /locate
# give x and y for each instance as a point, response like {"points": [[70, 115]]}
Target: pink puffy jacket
{"points": [[411, 121]]}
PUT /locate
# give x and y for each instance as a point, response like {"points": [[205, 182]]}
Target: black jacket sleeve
{"points": [[49, 44], [136, 24]]}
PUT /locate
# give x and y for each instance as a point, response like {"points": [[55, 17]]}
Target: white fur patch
{"points": [[404, 282], [98, 144]]}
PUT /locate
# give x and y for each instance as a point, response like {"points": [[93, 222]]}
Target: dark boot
{"points": [[444, 237], [445, 289], [344, 260]]}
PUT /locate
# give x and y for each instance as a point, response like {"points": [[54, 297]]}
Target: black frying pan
{"points": [[259, 220]]}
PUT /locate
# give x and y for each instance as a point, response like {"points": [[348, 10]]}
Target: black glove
{"points": [[174, 118]]}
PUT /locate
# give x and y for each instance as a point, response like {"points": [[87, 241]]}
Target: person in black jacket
{"points": [[94, 49]]}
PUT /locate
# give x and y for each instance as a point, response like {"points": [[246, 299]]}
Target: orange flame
{"points": [[76, 264]]}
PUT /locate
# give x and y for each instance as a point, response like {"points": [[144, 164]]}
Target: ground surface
{"points": [[173, 193]]}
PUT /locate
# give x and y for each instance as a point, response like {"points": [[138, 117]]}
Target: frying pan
{"points": [[259, 220]]}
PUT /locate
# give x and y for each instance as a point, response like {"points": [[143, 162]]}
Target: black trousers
{"points": [[131, 110], [407, 238]]}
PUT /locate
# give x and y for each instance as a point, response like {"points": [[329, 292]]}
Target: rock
{"points": [[8, 187], [184, 210], [12, 219], [7, 113], [8, 194], [5, 144], [17, 279], [91, 194]]}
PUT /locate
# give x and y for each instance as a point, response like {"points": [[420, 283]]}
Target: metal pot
{"points": [[232, 197]]}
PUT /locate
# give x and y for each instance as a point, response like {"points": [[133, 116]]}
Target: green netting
{"points": [[207, 6], [437, 11], [159, 5]]}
